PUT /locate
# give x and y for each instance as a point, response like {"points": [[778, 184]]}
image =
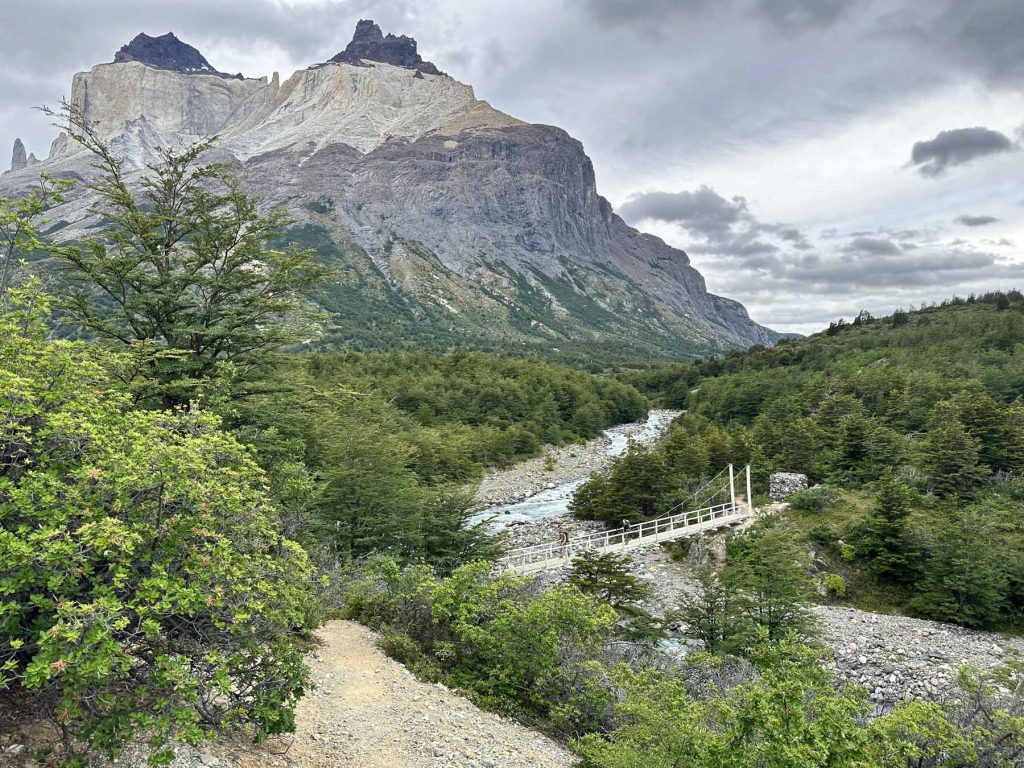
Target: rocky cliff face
{"points": [[452, 221]]}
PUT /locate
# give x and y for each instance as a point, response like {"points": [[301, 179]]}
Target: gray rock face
{"points": [[370, 44], [782, 485], [18, 158], [452, 222]]}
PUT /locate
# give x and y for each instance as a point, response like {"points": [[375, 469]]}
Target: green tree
{"points": [[607, 576], [144, 586], [182, 273], [20, 220], [885, 540], [638, 486], [966, 577], [767, 573], [708, 612], [951, 458]]}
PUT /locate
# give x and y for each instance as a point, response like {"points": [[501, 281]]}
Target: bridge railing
{"points": [[653, 530]]}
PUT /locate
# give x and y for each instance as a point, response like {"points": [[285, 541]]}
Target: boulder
{"points": [[782, 485]]}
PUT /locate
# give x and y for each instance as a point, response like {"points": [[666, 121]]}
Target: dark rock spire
{"points": [[19, 159], [370, 44]]}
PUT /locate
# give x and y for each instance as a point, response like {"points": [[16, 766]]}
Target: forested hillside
{"points": [[914, 427]]}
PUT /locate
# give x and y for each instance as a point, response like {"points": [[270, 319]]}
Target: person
{"points": [[626, 526], [563, 537]]}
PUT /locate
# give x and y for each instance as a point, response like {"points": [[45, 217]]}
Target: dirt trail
{"points": [[367, 711], [370, 712]]}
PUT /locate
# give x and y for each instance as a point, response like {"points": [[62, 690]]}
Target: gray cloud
{"points": [[782, 13], [987, 35], [875, 246], [704, 212], [799, 13], [956, 147], [975, 221]]}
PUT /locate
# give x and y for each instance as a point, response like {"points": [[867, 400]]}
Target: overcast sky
{"points": [[813, 157]]}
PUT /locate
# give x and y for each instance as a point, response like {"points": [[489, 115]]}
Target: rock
{"points": [[167, 52], [59, 146], [369, 43], [782, 485], [19, 160]]}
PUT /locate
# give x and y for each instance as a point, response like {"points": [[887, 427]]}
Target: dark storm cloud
{"points": [[975, 221], [956, 147], [703, 212]]}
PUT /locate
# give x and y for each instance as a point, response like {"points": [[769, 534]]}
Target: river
{"points": [[554, 502]]}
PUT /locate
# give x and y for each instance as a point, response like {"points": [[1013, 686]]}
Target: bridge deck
{"points": [[541, 557]]}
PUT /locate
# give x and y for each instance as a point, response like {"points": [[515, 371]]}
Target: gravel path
{"points": [[368, 711]]}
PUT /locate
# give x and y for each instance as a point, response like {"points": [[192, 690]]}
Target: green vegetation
{"points": [[179, 507], [181, 274], [914, 423], [144, 585], [159, 478], [550, 657]]}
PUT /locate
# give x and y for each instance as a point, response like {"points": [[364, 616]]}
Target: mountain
{"points": [[451, 222]]}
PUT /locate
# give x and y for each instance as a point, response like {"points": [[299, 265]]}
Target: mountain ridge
{"points": [[472, 225]]}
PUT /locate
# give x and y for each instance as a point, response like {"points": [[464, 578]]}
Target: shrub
{"points": [[144, 587], [835, 585], [400, 647], [816, 499]]}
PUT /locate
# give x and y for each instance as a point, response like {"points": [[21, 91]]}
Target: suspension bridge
{"points": [[714, 506]]}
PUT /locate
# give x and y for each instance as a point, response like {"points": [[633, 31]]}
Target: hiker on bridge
{"points": [[563, 537], [626, 528]]}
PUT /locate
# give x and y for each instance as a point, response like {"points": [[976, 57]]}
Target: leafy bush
{"points": [[816, 499], [835, 585], [513, 650], [144, 587], [789, 712]]}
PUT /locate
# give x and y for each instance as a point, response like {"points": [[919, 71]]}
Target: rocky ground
{"points": [[556, 465], [366, 712], [894, 657], [897, 657]]}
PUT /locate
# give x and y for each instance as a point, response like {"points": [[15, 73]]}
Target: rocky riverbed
{"points": [[560, 465], [894, 657]]}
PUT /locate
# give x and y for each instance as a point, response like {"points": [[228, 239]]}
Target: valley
{"points": [[292, 365]]}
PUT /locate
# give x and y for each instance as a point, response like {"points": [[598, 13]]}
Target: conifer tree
{"points": [[885, 539], [951, 458]]}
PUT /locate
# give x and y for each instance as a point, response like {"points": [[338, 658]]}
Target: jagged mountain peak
{"points": [[369, 43], [167, 52]]}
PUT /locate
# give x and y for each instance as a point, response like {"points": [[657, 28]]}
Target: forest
{"points": [[909, 427], [185, 496]]}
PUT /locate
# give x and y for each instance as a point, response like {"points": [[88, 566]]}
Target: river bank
{"points": [[542, 487]]}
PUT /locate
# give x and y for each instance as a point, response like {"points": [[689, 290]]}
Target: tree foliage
{"points": [[144, 585], [182, 274]]}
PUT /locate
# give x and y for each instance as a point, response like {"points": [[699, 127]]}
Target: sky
{"points": [[813, 157]]}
